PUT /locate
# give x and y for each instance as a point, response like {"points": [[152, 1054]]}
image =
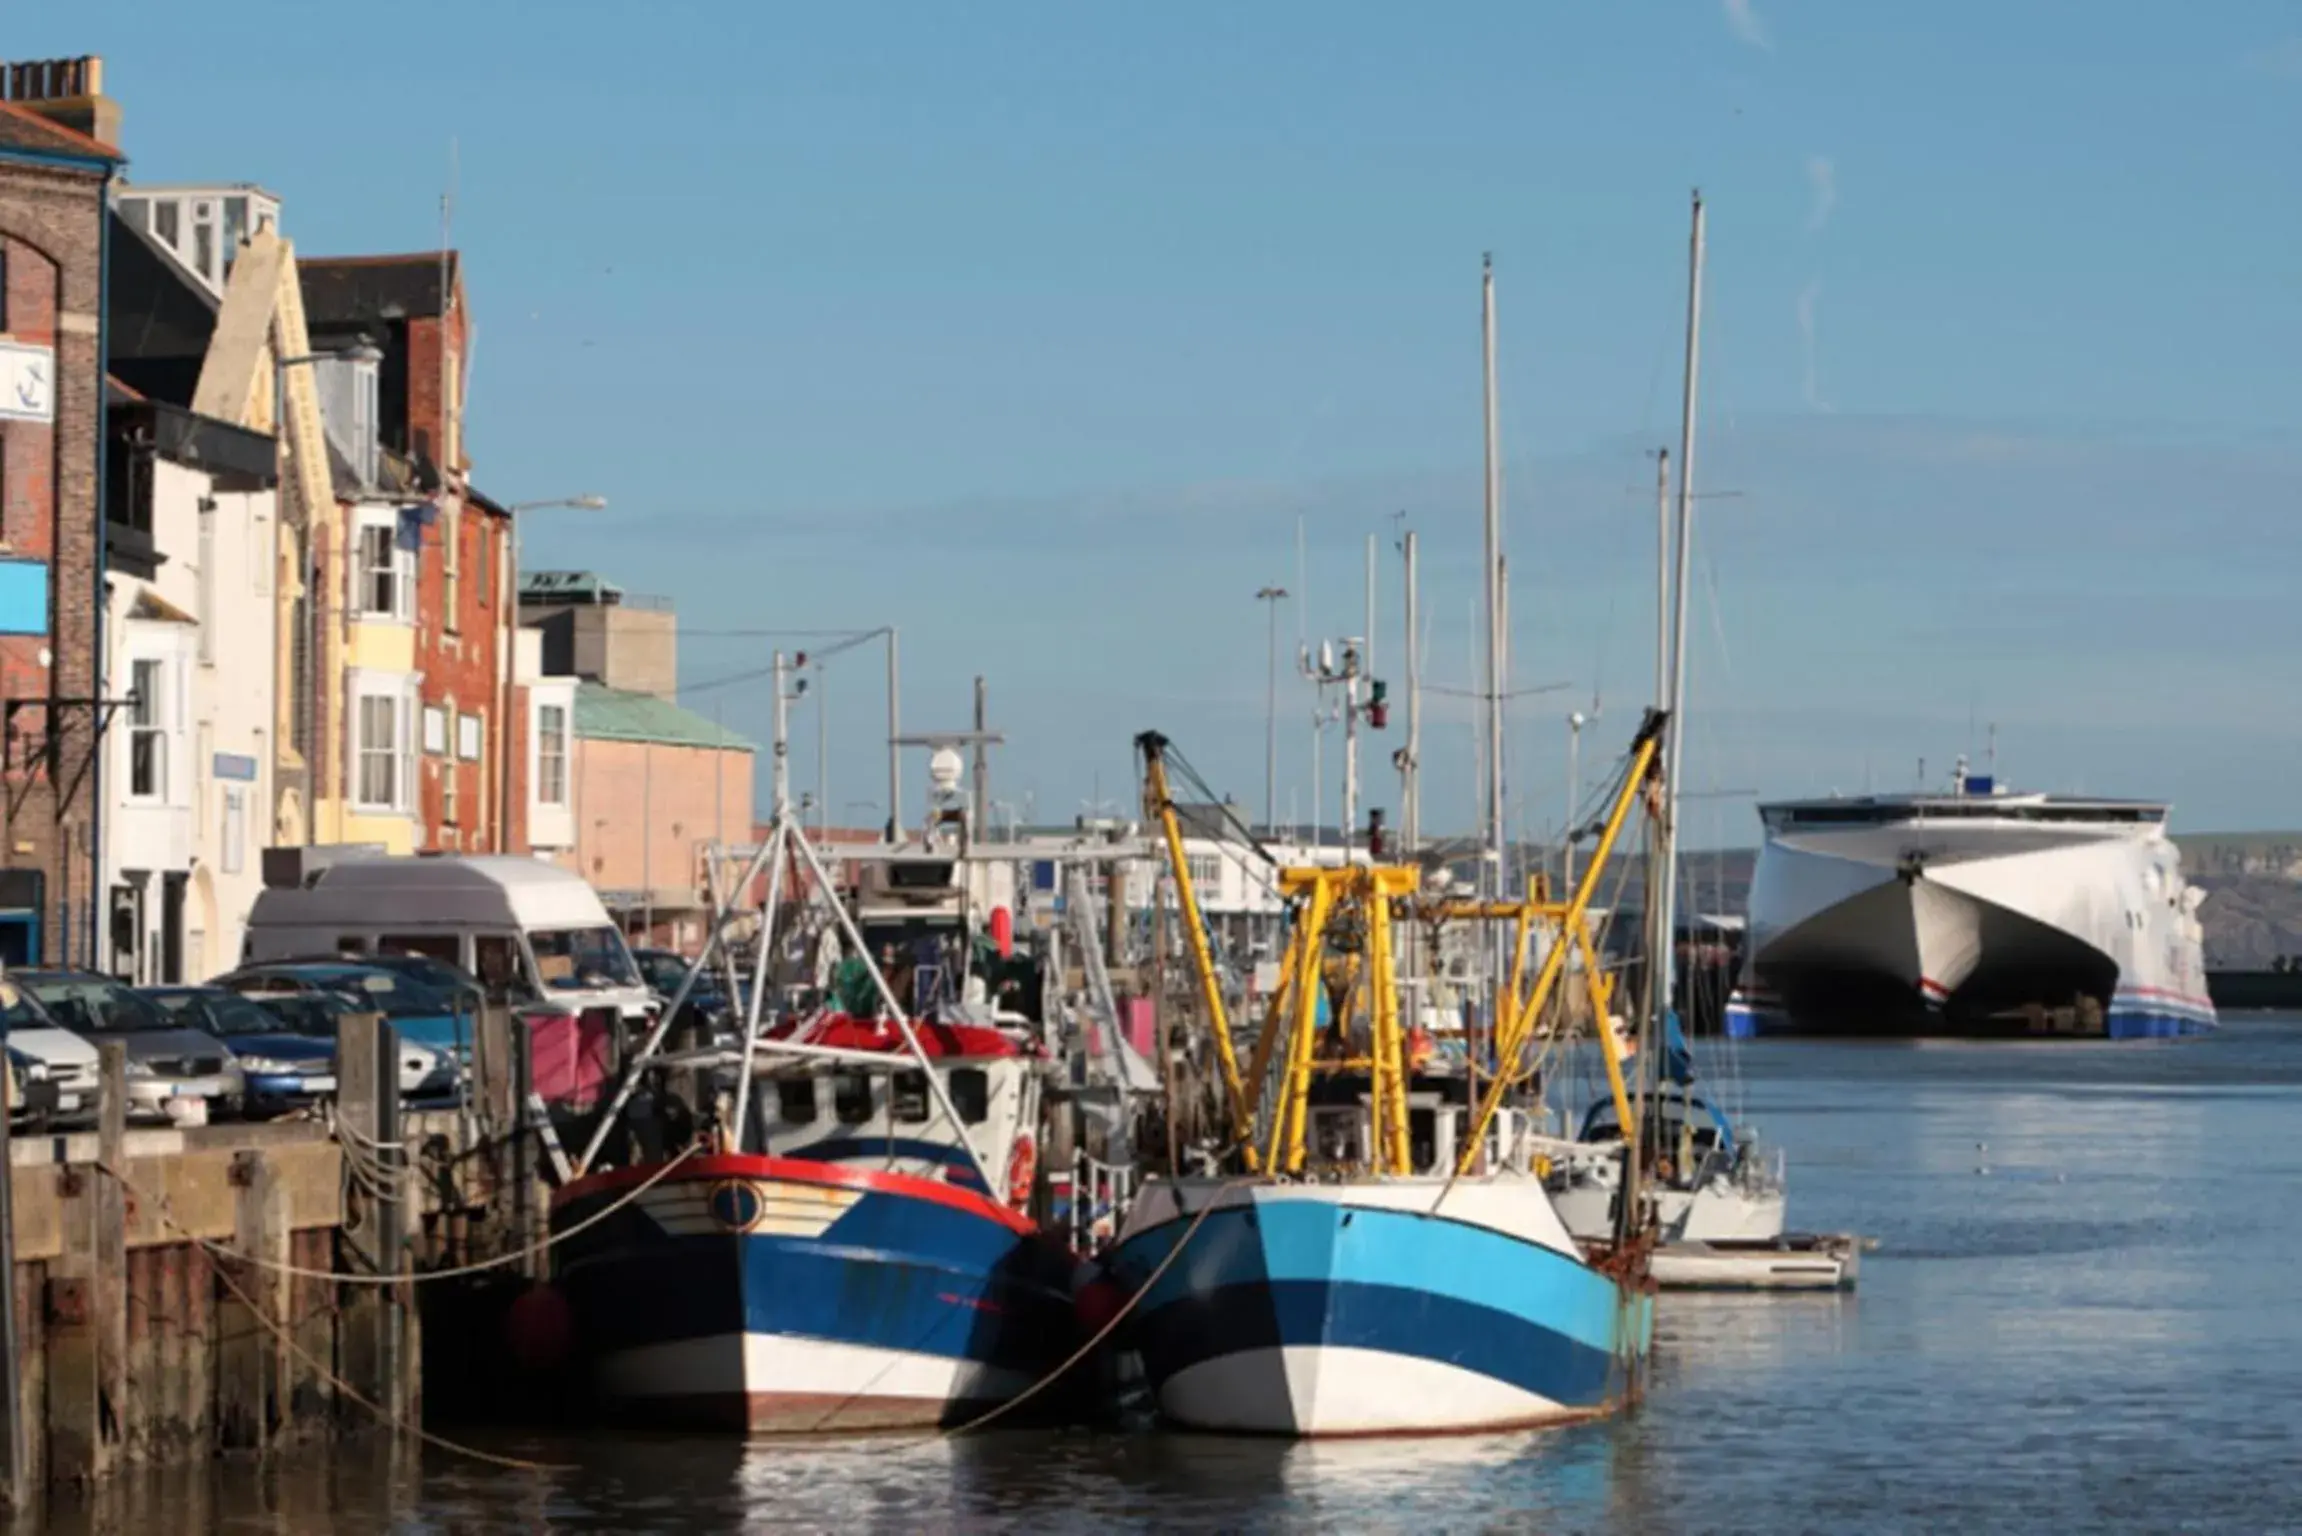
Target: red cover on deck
{"points": [[844, 1032]]}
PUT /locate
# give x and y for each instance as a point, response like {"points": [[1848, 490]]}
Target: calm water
{"points": [[2086, 1315]]}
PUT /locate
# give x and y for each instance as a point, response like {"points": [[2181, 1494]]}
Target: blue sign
{"points": [[23, 597], [233, 765]]}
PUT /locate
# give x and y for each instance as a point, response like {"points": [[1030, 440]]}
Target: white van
{"points": [[531, 932]]}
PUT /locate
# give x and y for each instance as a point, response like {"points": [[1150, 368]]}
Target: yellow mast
{"points": [[1521, 1024], [1160, 805]]}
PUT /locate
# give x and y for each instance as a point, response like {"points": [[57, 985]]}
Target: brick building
{"points": [[420, 569], [653, 786], [56, 164]]}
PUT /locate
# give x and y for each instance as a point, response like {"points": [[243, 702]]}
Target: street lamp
{"points": [[1272, 596]]}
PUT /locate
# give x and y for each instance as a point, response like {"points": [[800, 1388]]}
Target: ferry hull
{"points": [[775, 1295], [1972, 930], [1318, 1310]]}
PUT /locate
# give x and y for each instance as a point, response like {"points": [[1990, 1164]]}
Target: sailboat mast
{"points": [[1675, 742], [1491, 879], [1410, 786]]}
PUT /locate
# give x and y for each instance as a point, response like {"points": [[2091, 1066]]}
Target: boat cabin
{"points": [[862, 1099]]}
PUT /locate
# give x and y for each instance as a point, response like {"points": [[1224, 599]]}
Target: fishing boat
{"points": [[852, 1245], [1371, 1259]]}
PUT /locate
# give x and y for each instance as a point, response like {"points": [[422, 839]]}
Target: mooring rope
{"points": [[1001, 1410]]}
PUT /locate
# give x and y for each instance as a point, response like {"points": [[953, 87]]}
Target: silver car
{"points": [[177, 1075]]}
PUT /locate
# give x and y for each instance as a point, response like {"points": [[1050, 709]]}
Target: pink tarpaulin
{"points": [[568, 1055], [1135, 1017]]}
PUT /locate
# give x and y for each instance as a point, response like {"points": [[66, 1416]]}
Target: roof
{"points": [[620, 714], [21, 128], [430, 889], [343, 290]]}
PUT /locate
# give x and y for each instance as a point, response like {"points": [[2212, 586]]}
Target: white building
{"points": [[550, 777], [189, 652]]}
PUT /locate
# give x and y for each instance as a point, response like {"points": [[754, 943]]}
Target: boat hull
{"points": [[1717, 1212], [1317, 1310], [775, 1295]]}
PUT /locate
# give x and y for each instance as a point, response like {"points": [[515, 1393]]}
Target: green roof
{"points": [[619, 714]]}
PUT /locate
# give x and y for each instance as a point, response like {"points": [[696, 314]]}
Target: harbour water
{"points": [[2086, 1314]]}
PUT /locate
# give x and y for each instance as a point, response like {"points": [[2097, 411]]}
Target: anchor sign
{"points": [[27, 383]]}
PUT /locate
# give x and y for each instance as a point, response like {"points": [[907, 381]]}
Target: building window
{"points": [[435, 730], [235, 838], [147, 738], [468, 737], [1206, 872], [387, 569], [384, 745], [452, 569], [485, 544], [551, 755], [451, 799]]}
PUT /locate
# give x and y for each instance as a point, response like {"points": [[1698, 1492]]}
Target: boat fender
{"points": [[540, 1327], [1098, 1302], [1542, 1165], [1022, 1165]]}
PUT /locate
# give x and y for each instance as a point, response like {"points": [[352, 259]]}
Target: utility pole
{"points": [[1271, 597], [894, 747]]}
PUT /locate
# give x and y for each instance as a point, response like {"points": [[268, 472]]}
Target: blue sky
{"points": [[1036, 329]]}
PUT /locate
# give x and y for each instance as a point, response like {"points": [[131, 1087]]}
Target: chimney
{"points": [[67, 92]]}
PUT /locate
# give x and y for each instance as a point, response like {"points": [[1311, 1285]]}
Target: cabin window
{"points": [[795, 1100], [971, 1094], [851, 1098], [501, 968], [907, 1100]]}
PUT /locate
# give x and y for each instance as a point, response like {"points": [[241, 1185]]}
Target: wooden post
{"points": [[370, 1230], [249, 1367], [87, 1322]]}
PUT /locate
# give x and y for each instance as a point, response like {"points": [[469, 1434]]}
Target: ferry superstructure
{"points": [[1976, 911]]}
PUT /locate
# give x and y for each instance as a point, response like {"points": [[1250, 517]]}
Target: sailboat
{"points": [[1719, 1196]]}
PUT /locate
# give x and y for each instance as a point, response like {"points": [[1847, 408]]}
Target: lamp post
{"points": [[1271, 597], [506, 640]]}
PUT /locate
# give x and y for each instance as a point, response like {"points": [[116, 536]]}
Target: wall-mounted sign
{"points": [[235, 765], [27, 382]]}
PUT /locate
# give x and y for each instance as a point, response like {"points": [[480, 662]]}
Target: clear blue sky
{"points": [[1034, 329]]}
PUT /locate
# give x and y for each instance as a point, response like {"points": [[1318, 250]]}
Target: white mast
{"points": [[1675, 739], [1410, 789], [1491, 571], [782, 779]]}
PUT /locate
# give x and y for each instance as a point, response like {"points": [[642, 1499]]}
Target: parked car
{"points": [[67, 1063], [184, 1076], [31, 1096], [300, 1022], [460, 986], [663, 970], [421, 1015]]}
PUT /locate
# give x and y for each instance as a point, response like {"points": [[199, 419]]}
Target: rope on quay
{"points": [[415, 1277]]}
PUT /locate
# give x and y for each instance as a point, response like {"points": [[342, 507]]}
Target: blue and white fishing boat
{"points": [[865, 1278], [1385, 1260], [854, 1248]]}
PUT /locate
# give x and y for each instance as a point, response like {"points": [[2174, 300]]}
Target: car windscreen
{"points": [[393, 996], [220, 1013], [582, 957], [95, 1005]]}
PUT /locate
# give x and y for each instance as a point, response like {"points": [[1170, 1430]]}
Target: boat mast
{"points": [[1492, 574], [1410, 789], [1675, 741], [782, 751]]}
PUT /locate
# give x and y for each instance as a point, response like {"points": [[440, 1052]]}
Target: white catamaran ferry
{"points": [[1977, 911]]}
